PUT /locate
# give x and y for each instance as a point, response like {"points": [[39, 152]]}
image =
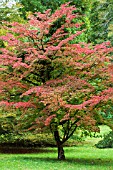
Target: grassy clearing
{"points": [[77, 158]]}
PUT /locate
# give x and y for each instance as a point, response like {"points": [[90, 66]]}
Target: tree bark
{"points": [[61, 155]]}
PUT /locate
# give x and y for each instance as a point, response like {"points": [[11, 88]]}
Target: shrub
{"points": [[107, 141]]}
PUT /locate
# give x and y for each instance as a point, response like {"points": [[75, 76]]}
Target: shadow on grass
{"points": [[81, 161], [22, 150]]}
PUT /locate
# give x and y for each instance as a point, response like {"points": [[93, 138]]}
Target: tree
{"points": [[106, 18], [90, 12], [40, 5], [10, 13], [57, 85]]}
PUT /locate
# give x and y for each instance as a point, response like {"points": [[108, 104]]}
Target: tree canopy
{"points": [[56, 83], [92, 13]]}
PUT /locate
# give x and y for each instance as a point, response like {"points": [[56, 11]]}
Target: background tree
{"points": [[90, 14], [40, 5], [106, 18], [10, 12], [61, 85]]}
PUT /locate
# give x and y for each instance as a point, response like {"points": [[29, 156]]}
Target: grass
{"points": [[85, 157], [77, 158]]}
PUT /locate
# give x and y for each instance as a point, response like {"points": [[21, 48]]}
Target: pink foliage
{"points": [[49, 119], [83, 65]]}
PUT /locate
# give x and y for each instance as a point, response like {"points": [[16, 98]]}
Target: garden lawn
{"points": [[77, 158]]}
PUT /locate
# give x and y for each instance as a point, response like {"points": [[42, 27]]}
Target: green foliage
{"points": [[86, 9], [29, 139], [107, 141], [12, 133], [10, 13], [96, 15], [40, 5], [26, 140], [106, 17], [8, 120]]}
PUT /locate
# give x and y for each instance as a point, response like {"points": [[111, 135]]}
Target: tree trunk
{"points": [[61, 155]]}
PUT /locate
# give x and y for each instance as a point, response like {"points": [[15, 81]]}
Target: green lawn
{"points": [[84, 157], [77, 158]]}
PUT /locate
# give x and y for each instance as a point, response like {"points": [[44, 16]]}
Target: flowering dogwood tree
{"points": [[63, 83]]}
